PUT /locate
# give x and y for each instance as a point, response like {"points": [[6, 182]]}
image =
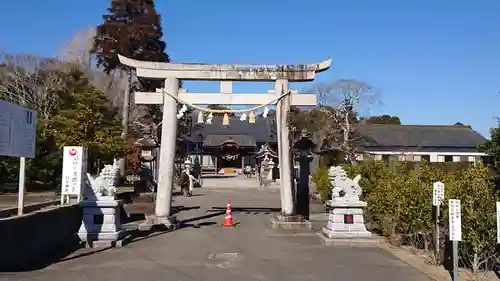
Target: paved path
{"points": [[252, 250], [238, 182], [10, 200]]}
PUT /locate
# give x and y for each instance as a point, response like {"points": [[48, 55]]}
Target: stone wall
{"points": [[37, 239]]}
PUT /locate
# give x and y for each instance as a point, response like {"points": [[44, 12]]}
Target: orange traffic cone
{"points": [[228, 220]]}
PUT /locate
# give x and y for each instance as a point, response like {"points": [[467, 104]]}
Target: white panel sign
{"points": [[437, 193], [17, 130], [455, 220], [74, 170], [498, 222]]}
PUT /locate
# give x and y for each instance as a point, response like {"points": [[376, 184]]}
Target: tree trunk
{"points": [[125, 117]]}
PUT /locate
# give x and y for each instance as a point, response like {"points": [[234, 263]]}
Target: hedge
{"points": [[400, 202]]}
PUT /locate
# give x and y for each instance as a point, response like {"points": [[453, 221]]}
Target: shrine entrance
{"points": [[171, 96], [229, 157]]}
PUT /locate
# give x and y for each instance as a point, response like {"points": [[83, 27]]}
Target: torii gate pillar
{"points": [[282, 109], [167, 155]]}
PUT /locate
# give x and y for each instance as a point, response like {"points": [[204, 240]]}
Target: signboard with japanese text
{"points": [[74, 170], [17, 130], [455, 220], [437, 193]]}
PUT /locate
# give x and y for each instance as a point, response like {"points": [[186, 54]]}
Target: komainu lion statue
{"points": [[344, 188]]}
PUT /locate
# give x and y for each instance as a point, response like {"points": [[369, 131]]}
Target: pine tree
{"points": [[133, 29]]}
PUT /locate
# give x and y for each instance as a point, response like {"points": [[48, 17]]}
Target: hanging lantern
{"points": [[200, 117], [225, 120], [251, 118]]}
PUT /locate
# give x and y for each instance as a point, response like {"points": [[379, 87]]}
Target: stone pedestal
{"points": [[168, 222], [289, 222], [101, 224], [346, 224]]}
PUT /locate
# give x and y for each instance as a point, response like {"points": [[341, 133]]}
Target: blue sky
{"points": [[434, 62]]}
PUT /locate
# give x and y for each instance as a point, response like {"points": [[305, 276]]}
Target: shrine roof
{"points": [[453, 138], [240, 140], [265, 149], [258, 132]]}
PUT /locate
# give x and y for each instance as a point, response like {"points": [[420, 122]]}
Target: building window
{"points": [[409, 158], [448, 158], [425, 158], [386, 158], [417, 158], [456, 158]]}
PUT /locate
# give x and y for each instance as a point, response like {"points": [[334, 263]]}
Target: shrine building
{"points": [[234, 146], [229, 148]]}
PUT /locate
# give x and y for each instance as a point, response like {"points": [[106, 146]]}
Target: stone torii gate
{"points": [[172, 72]]}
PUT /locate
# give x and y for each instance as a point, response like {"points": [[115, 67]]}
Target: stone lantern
{"points": [[148, 147], [265, 156], [303, 148]]}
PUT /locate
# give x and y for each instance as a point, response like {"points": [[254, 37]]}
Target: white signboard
{"points": [[74, 170], [437, 193], [455, 220], [17, 130], [498, 222]]}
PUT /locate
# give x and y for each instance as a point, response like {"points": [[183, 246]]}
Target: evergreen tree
{"points": [[133, 29]]}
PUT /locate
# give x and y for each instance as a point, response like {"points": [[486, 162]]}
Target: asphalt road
{"points": [[202, 250]]}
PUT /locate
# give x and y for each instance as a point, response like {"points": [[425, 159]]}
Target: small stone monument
{"points": [[270, 177], [101, 224], [346, 223], [266, 155], [264, 172]]}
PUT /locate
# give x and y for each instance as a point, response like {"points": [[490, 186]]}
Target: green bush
{"points": [[322, 181], [400, 202]]}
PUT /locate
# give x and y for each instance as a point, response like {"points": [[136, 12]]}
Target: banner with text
{"points": [[74, 170]]}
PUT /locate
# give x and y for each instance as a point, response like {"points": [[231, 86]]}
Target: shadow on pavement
{"points": [[218, 176], [248, 210], [198, 225], [44, 259], [178, 209], [203, 217]]}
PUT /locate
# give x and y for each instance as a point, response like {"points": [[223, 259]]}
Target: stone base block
{"points": [[333, 233], [289, 222], [105, 239], [371, 241], [109, 243], [170, 222], [346, 220]]}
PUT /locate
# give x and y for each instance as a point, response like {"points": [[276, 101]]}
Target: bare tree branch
{"points": [[333, 122], [77, 50], [30, 81]]}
